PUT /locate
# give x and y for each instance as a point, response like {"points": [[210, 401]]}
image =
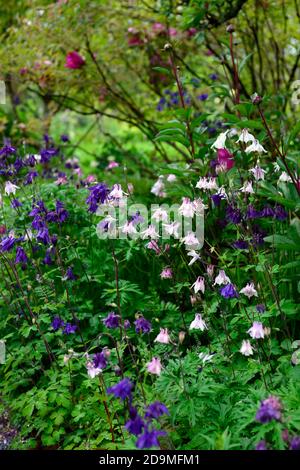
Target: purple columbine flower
{"points": [[228, 291], [64, 138], [7, 243], [31, 161], [15, 203], [127, 324], [62, 213], [112, 320], [213, 76], [233, 214], [21, 256], [135, 424], [122, 389], [48, 259], [252, 213], [280, 213], [217, 198], [18, 164], [31, 175], [98, 194], [269, 409], [261, 445], [155, 410], [38, 208], [267, 212], [69, 329], [149, 439], [43, 235], [260, 308], [203, 97], [295, 443], [7, 150], [240, 244], [142, 325], [57, 323], [99, 360], [47, 154], [70, 276]]}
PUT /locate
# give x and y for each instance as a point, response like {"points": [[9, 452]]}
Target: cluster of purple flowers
{"points": [[140, 426], [59, 324], [172, 99], [269, 409], [98, 194], [142, 325]]}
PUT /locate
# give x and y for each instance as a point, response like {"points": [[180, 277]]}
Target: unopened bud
{"points": [[256, 99], [167, 46], [230, 28], [181, 336]]}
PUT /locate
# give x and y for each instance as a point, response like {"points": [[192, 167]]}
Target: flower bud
{"points": [[256, 99], [230, 28]]}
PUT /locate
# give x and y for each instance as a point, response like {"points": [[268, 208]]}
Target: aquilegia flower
{"points": [[69, 329], [156, 410], [10, 188], [163, 336], [228, 292], [98, 194], [166, 273], [122, 389], [112, 320], [149, 439], [7, 243], [295, 443], [221, 278], [269, 409], [261, 445], [257, 330], [198, 323], [57, 323], [199, 285], [154, 366], [246, 348], [142, 325], [135, 424], [21, 256], [249, 290]]}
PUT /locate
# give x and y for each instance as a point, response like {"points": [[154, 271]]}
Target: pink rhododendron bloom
{"points": [[154, 366], [225, 158], [163, 336], [166, 273], [257, 330], [246, 348], [74, 60]]}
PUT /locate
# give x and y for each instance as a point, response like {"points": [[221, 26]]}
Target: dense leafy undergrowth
{"points": [[135, 331]]}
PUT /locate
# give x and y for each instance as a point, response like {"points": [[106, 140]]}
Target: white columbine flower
{"points": [[187, 208], [194, 256], [158, 187], [257, 330], [160, 214], [190, 239], [150, 232], [221, 278], [128, 228], [249, 290], [285, 177], [247, 187], [255, 147], [245, 137], [199, 285], [171, 178], [246, 348], [172, 229], [205, 357], [117, 192], [198, 323], [258, 172], [10, 188], [220, 141]]}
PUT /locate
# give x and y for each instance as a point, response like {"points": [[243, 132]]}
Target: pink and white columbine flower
{"points": [[166, 273], [199, 207], [61, 180], [171, 178], [190, 240], [160, 214], [187, 208], [220, 141], [245, 137], [199, 285], [258, 172], [150, 232], [246, 348], [249, 290], [247, 188], [154, 366], [10, 188], [152, 245], [158, 188], [210, 270], [172, 229], [163, 336], [198, 323], [257, 330], [194, 256], [284, 178], [92, 370], [221, 278], [255, 147], [207, 183], [117, 192], [112, 165], [128, 228]]}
